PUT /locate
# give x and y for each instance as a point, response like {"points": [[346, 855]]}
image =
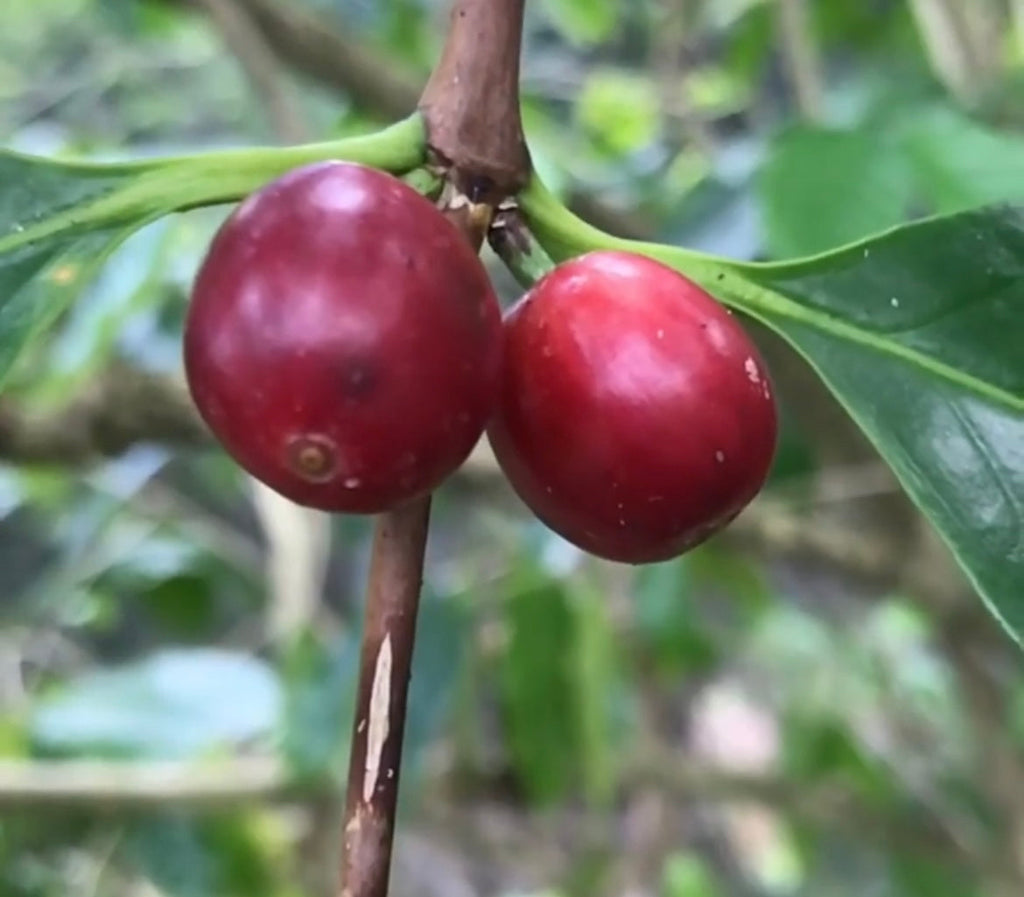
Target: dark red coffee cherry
{"points": [[343, 340], [635, 417]]}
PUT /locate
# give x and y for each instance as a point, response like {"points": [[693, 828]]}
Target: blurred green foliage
{"points": [[134, 591]]}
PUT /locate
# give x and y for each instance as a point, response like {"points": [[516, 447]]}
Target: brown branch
{"points": [[120, 408], [315, 48], [471, 101], [801, 57], [378, 726], [261, 66], [958, 40], [312, 46], [471, 108]]}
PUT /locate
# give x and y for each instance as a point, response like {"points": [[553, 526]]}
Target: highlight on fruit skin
{"points": [[635, 417], [343, 340]]}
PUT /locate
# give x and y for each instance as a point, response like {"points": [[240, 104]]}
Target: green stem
{"points": [[424, 181], [517, 247], [156, 187], [397, 149], [745, 286]]}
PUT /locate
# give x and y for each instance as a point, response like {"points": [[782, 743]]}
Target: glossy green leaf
{"points": [[59, 220], [919, 334]]}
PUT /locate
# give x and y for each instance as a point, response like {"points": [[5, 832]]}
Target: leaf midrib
{"points": [[762, 302]]}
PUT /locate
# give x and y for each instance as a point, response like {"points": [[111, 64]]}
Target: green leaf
{"points": [[536, 687], [173, 853], [687, 875], [913, 875], [583, 21], [820, 189], [619, 108], [596, 681], [60, 220], [175, 704], [320, 685], [196, 856], [918, 333], [959, 163], [674, 639], [442, 634]]}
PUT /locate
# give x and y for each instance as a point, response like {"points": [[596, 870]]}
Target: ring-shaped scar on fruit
{"points": [[343, 340], [635, 416]]}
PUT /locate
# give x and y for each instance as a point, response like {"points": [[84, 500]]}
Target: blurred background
{"points": [[812, 704]]}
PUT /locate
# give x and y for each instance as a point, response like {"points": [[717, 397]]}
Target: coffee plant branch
{"points": [[470, 107]]}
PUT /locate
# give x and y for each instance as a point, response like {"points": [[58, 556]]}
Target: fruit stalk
{"points": [[471, 109], [516, 246]]}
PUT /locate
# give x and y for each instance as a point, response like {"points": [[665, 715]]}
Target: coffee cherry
{"points": [[635, 416], [343, 340]]}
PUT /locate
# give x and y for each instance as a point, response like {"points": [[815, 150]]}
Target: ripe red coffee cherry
{"points": [[343, 341], [635, 416]]}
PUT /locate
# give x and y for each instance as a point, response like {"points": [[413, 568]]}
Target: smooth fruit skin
{"points": [[343, 341], [636, 417]]}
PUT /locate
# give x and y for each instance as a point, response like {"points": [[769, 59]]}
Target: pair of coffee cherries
{"points": [[345, 345]]}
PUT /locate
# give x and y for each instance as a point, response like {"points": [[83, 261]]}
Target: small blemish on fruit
{"points": [[750, 366], [358, 379], [547, 351], [312, 457], [352, 483], [661, 334], [720, 456]]}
